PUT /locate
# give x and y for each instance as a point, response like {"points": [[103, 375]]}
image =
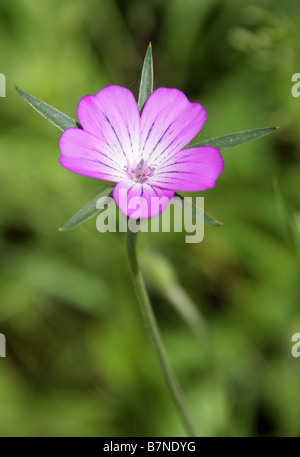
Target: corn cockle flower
{"points": [[144, 154]]}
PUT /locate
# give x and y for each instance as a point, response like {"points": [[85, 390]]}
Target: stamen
{"points": [[140, 172]]}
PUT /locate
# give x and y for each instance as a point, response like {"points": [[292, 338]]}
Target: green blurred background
{"points": [[78, 358]]}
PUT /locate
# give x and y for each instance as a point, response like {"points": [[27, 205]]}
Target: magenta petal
{"points": [[191, 169], [83, 153], [168, 123], [141, 201], [112, 114]]}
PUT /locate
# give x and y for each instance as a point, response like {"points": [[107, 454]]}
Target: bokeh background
{"points": [[79, 362]]}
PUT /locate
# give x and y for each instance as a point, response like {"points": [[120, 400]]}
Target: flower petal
{"points": [[84, 153], [168, 123], [141, 201], [112, 114], [191, 169]]}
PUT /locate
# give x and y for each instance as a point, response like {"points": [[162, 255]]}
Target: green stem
{"points": [[146, 308]]}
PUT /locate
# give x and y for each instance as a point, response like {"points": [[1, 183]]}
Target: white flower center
{"points": [[140, 172]]}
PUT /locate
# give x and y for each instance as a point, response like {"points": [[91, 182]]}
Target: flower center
{"points": [[140, 172]]}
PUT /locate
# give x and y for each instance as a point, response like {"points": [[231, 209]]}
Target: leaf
{"points": [[88, 211], [146, 84], [53, 115], [191, 208], [234, 139]]}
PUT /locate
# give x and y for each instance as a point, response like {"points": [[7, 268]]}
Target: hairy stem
{"points": [[154, 334]]}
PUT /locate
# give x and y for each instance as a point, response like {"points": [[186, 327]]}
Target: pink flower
{"points": [[144, 153]]}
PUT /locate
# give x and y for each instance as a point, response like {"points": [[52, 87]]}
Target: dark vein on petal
{"points": [[113, 129], [148, 134], [169, 153], [159, 141], [108, 166], [154, 190], [130, 139]]}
